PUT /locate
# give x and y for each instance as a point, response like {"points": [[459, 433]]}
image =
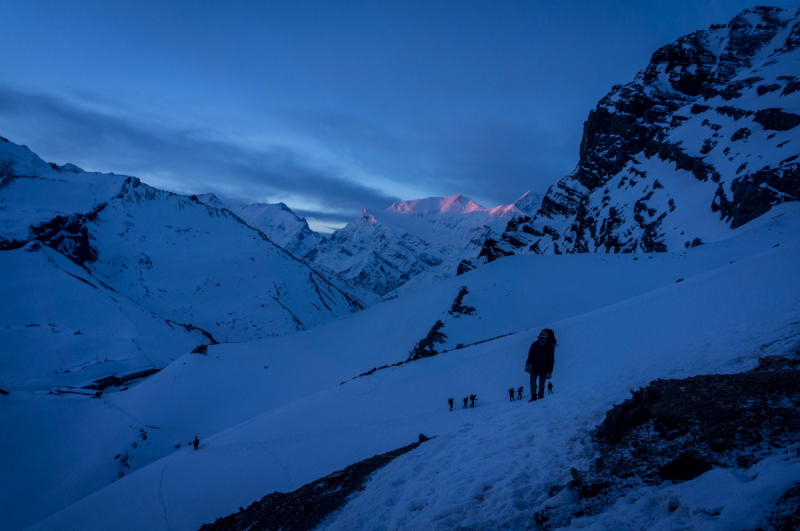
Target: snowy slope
{"points": [[271, 416], [281, 225], [184, 261], [32, 192], [276, 221], [421, 241], [227, 278], [211, 200], [529, 203], [703, 140], [64, 327]]}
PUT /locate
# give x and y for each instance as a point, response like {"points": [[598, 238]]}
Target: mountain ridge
{"points": [[682, 131]]}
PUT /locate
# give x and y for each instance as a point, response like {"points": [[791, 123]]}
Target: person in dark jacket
{"points": [[541, 358]]}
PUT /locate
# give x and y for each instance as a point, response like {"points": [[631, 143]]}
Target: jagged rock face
{"points": [[705, 139]]}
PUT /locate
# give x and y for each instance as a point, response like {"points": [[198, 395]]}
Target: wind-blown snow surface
{"points": [[271, 415]]}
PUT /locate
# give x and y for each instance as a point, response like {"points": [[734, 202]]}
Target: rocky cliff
{"points": [[702, 141]]}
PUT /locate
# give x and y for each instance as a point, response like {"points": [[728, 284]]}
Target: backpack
{"points": [[551, 340]]}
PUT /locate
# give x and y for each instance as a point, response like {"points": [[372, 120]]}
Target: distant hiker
{"points": [[196, 442], [549, 388], [465, 403], [472, 398], [511, 394], [450, 401], [519, 393], [541, 358]]}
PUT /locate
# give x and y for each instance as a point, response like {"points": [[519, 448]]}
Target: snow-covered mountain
{"points": [[281, 225], [63, 326], [210, 200], [183, 261], [412, 243], [144, 275], [703, 140], [273, 415], [277, 221]]}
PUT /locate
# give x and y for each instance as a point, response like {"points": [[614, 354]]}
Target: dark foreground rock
{"points": [[308, 506], [676, 430]]}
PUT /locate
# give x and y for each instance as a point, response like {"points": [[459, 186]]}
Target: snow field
{"points": [[82, 326], [497, 473], [491, 466]]}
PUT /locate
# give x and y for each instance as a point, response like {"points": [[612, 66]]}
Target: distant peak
{"points": [[71, 167], [365, 218], [454, 204], [211, 200]]}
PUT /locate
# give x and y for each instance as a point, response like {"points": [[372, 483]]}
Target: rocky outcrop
{"points": [[776, 120], [425, 346], [305, 508], [707, 117], [677, 430], [69, 235]]}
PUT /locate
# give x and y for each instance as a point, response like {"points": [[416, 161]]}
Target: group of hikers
{"points": [[539, 364]]}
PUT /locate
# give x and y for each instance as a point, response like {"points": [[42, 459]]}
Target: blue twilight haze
{"points": [[330, 107]]}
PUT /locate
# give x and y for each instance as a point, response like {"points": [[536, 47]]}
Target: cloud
{"points": [[499, 161], [187, 161], [494, 161], [491, 160]]}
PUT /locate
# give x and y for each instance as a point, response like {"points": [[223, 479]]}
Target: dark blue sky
{"points": [[328, 106]]}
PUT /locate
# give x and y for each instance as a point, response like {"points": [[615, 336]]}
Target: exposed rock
{"points": [[755, 193], [461, 309], [620, 198], [740, 134], [676, 430], [685, 467], [305, 508], [776, 119], [766, 89], [424, 347], [69, 235], [786, 513]]}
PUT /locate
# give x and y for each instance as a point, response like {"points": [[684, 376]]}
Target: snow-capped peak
{"points": [[454, 204], [365, 218], [211, 200]]}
